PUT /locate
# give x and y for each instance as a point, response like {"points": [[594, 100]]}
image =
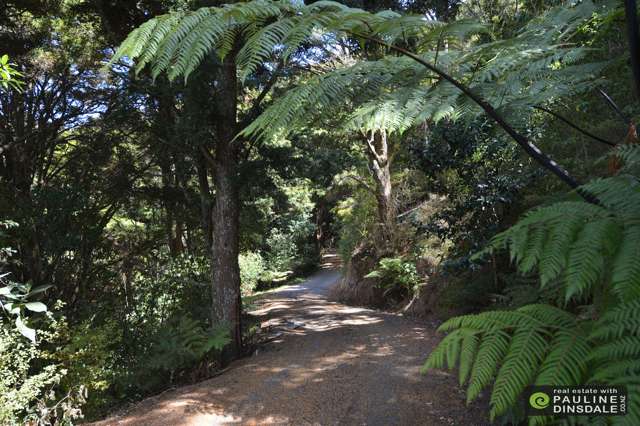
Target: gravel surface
{"points": [[326, 364]]}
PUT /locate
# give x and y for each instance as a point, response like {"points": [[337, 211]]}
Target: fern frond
{"points": [[586, 264], [526, 351], [624, 347], [468, 350], [492, 349], [566, 362], [625, 270]]}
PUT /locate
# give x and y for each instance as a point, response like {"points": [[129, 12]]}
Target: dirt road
{"points": [[328, 364]]}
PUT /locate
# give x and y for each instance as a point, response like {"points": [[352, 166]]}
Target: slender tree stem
{"points": [[575, 126], [631, 14], [615, 107]]}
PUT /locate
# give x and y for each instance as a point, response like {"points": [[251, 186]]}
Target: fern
{"points": [[513, 74], [392, 94], [593, 250], [183, 342]]}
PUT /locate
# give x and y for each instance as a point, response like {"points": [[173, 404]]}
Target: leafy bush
{"points": [[17, 299], [252, 267], [591, 254], [397, 277], [166, 287], [30, 379], [91, 356]]}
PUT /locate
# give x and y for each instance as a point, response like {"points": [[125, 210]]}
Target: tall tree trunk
{"points": [[226, 213], [379, 165]]}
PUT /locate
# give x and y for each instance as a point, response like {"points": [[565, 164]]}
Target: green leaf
{"points": [[27, 332], [36, 306], [39, 289]]}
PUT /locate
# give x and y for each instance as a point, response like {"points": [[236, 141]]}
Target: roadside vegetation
{"points": [[161, 163]]}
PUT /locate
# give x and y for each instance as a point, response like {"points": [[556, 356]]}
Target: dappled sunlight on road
{"points": [[326, 363]]}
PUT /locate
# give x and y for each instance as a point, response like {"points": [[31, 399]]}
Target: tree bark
{"points": [[379, 165], [225, 214]]}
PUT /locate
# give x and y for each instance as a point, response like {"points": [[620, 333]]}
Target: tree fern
{"points": [[176, 43], [517, 73], [593, 250]]}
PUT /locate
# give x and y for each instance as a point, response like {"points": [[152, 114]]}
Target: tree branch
{"points": [[255, 108], [372, 149], [615, 107], [575, 126], [357, 179]]}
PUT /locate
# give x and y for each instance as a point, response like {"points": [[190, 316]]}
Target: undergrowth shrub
{"points": [[282, 250], [180, 344], [92, 356], [30, 377], [397, 277], [355, 217], [166, 286]]}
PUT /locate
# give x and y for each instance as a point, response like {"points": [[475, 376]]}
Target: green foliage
{"points": [[252, 268], [177, 43], [397, 277], [281, 250], [478, 172], [591, 253], [397, 93], [355, 217], [16, 299], [525, 70], [30, 379], [54, 411], [182, 342], [9, 76], [168, 286], [582, 245], [289, 243], [90, 357]]}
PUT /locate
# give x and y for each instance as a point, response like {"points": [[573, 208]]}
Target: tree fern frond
{"points": [[615, 369], [555, 254], [439, 356], [624, 347], [586, 264], [491, 351], [566, 362], [164, 26], [625, 268], [526, 351], [468, 350], [491, 321], [618, 321], [549, 316]]}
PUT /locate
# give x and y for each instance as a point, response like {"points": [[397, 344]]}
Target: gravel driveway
{"points": [[327, 364]]}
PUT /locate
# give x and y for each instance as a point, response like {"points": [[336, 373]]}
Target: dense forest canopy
{"points": [[164, 161]]}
